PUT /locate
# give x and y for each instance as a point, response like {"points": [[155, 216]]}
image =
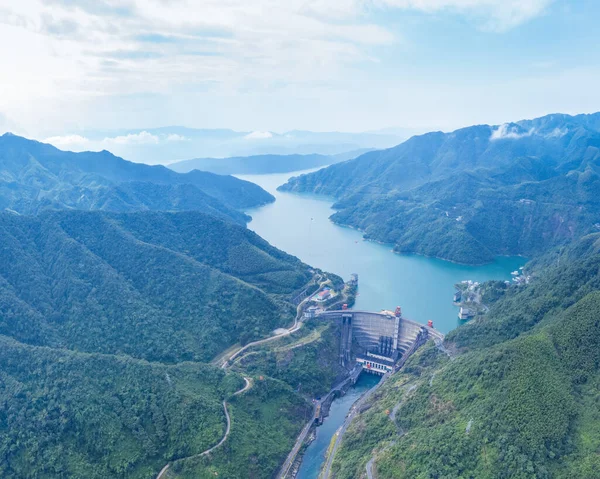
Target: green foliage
{"points": [[492, 291], [265, 423], [158, 286], [309, 366], [66, 414], [162, 287], [521, 401], [36, 177], [467, 196]]}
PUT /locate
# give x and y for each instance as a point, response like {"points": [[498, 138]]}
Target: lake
{"points": [[423, 287]]}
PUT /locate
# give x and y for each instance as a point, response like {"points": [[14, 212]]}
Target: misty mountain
{"points": [[36, 176], [262, 164], [474, 193], [167, 144]]}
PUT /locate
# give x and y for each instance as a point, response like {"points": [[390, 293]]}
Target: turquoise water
{"points": [[423, 287], [315, 453]]}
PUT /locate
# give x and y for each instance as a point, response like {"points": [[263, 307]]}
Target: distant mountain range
{"points": [[262, 164], [36, 176], [477, 192], [168, 144]]}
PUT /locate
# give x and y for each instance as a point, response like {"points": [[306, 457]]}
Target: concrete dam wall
{"points": [[382, 337]]}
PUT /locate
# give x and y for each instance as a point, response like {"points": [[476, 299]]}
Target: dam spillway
{"points": [[380, 339]]}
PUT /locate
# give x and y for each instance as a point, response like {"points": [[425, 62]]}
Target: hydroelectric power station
{"points": [[380, 340]]}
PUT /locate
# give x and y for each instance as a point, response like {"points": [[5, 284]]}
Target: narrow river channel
{"points": [[315, 453], [423, 287]]}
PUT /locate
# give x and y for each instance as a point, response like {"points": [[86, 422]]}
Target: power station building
{"points": [[379, 339]]}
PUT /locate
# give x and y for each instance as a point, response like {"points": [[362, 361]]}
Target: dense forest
{"points": [[35, 177], [107, 324], [513, 394], [475, 193], [164, 287]]}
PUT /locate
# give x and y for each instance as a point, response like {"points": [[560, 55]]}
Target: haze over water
{"points": [[423, 287]]}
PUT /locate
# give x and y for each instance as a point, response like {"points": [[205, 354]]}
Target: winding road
{"points": [[248, 385], [295, 327]]}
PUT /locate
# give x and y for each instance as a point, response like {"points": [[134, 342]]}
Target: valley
{"points": [[213, 368]]}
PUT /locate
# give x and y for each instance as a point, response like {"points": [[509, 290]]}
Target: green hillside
{"points": [[517, 398], [66, 414], [107, 322], [35, 177], [475, 193], [185, 285]]}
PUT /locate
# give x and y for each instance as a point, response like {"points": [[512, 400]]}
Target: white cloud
{"points": [[259, 135], [141, 138], [509, 132], [175, 137], [496, 15], [220, 59], [558, 133], [67, 140]]}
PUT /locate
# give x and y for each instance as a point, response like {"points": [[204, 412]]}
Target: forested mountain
{"points": [[35, 176], [158, 286], [105, 320], [262, 164], [475, 193], [518, 396]]}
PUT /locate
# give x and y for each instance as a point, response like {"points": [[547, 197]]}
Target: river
{"points": [[423, 287], [315, 452]]}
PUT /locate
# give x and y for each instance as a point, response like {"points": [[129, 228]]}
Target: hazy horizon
{"points": [[318, 65]]}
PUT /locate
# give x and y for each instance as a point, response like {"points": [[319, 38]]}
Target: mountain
{"points": [[512, 394], [107, 321], [35, 176], [470, 195], [166, 287], [262, 164], [165, 144]]}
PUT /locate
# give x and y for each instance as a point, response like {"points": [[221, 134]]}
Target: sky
{"points": [[70, 66]]}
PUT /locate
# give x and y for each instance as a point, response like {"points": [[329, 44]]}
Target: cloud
{"points": [[223, 57], [509, 132], [558, 132], [66, 140], [259, 135], [141, 138], [493, 15]]}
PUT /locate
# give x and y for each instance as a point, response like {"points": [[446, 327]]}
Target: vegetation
{"points": [[67, 414], [265, 423], [157, 286], [309, 364], [468, 195], [35, 177], [520, 400], [88, 298]]}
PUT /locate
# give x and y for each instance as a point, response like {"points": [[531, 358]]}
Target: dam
{"points": [[378, 339]]}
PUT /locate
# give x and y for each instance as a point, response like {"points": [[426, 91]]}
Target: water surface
{"points": [[315, 452], [423, 287]]}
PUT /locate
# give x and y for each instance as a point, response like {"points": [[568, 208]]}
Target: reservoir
{"points": [[423, 287]]}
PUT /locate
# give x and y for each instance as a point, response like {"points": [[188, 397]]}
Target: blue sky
{"points": [[72, 66]]}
